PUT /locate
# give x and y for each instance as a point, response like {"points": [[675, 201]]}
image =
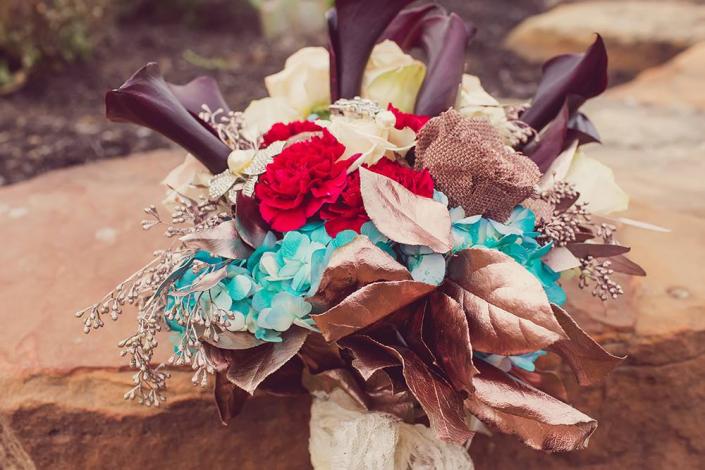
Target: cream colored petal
{"points": [[261, 114], [304, 83], [596, 185]]}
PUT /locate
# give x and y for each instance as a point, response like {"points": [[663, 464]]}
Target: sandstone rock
{"points": [[639, 34], [68, 238], [677, 83]]}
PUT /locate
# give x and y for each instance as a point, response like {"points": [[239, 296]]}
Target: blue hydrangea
{"points": [[516, 238], [505, 363], [265, 293]]}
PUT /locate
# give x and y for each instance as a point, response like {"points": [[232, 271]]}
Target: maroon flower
{"points": [[348, 212], [285, 131], [414, 121], [304, 177]]}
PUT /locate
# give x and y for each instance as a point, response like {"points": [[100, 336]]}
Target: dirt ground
{"points": [[57, 119]]}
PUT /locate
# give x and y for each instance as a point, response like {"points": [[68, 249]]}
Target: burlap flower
{"points": [[473, 167]]}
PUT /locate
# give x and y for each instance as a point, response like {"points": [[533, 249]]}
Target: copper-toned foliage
{"points": [[233, 340], [624, 265], [341, 378], [229, 398], [368, 305], [248, 221], [402, 215], [285, 381], [589, 361], [353, 266], [319, 355], [222, 240], [147, 100], [441, 403], [473, 167], [597, 250], [250, 367], [449, 339], [507, 309], [369, 356], [514, 407]]}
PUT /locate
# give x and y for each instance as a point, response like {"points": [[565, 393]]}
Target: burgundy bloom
{"points": [[281, 131], [348, 212], [300, 180]]}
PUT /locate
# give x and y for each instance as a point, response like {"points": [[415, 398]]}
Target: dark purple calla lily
{"points": [[444, 39], [404, 28], [199, 91], [552, 142], [575, 76], [147, 100], [354, 26]]}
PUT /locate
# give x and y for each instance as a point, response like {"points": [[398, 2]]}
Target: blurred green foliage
{"points": [[46, 31]]}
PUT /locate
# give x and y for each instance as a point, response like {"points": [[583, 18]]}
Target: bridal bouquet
{"points": [[382, 233]]}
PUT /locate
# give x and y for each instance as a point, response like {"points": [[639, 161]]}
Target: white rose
{"points": [[261, 114], [304, 83], [391, 76], [374, 139]]}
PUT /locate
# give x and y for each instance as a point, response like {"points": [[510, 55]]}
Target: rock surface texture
{"points": [[70, 236], [639, 34]]}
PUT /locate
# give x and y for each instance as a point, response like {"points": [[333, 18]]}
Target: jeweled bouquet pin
{"points": [[382, 233]]}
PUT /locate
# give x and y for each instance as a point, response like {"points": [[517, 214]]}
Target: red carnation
{"points": [[300, 180], [282, 131], [414, 121], [348, 212]]}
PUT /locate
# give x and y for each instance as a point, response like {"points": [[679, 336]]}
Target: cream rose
{"points": [[304, 83], [374, 138], [391, 76]]}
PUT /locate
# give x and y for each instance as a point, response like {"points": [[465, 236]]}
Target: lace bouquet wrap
{"points": [[383, 234]]}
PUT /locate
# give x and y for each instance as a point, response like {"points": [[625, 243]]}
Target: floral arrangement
{"points": [[381, 226]]}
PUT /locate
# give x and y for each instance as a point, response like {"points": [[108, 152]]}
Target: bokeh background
{"points": [[72, 186]]}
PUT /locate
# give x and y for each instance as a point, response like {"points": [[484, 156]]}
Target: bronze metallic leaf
{"points": [[538, 419], [368, 305], [222, 240], [404, 216], [250, 367], [590, 362], [229, 398], [353, 266], [507, 309], [449, 339]]}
